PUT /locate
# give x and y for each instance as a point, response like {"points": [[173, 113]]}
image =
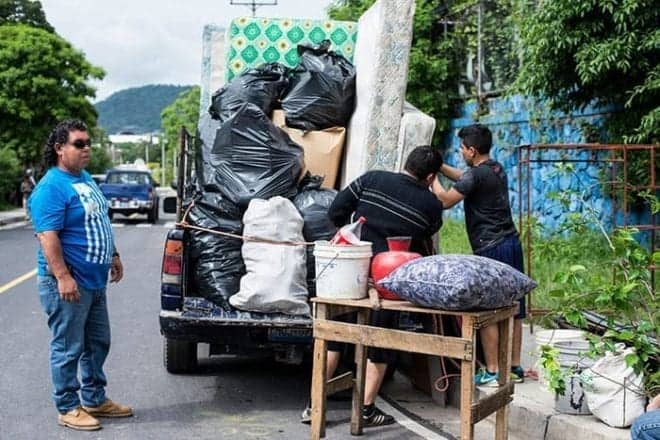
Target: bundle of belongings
{"points": [[267, 159]]}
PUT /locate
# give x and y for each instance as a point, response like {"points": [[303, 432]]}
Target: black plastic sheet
{"points": [[313, 203], [252, 158], [322, 91], [262, 86], [215, 260]]}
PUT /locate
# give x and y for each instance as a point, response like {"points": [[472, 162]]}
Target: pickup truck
{"points": [[130, 191], [186, 319]]}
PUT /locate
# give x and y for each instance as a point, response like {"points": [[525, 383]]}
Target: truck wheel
{"points": [[179, 356], [110, 214], [152, 216]]}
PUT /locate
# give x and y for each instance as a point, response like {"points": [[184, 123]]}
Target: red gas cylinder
{"points": [[385, 262]]}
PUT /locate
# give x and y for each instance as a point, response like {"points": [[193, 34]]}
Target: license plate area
{"points": [[290, 334]]}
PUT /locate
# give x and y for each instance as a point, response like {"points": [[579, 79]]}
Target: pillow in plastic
{"points": [[458, 282]]}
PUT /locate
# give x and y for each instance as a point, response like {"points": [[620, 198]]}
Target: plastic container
{"points": [[385, 263], [552, 338], [349, 234], [342, 271]]}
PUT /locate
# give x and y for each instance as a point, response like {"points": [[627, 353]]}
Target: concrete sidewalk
{"points": [[13, 217], [532, 415]]}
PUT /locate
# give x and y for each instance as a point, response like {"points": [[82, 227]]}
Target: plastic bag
{"points": [[349, 234], [613, 390], [322, 92], [216, 261], [313, 203], [275, 278], [252, 158], [262, 86]]}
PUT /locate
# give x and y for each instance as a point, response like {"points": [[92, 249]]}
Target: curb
{"points": [[14, 219]]}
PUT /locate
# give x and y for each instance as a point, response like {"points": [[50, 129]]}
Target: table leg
{"points": [[467, 381], [319, 381], [358, 386], [505, 328]]}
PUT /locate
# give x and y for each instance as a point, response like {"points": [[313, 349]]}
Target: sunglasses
{"points": [[82, 143]]}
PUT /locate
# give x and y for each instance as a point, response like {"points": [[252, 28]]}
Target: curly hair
{"points": [[60, 135]]}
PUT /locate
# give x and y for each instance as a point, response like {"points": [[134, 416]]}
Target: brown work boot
{"points": [[109, 409], [79, 419]]}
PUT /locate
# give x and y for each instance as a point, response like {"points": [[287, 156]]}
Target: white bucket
{"points": [[342, 271], [575, 339], [572, 356]]}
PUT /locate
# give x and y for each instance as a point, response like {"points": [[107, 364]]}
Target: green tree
{"points": [[577, 52], [183, 112], [9, 176], [26, 12], [43, 80]]}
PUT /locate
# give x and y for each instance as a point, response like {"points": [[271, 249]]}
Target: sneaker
{"points": [[109, 409], [517, 374], [485, 378], [306, 416], [78, 419], [372, 416]]}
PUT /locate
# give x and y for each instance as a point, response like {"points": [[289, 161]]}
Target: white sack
{"points": [[275, 281], [607, 397]]}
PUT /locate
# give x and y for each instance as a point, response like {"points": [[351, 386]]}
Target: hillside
{"points": [[136, 110]]}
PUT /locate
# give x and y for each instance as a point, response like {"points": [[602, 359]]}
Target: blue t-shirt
{"points": [[74, 206]]}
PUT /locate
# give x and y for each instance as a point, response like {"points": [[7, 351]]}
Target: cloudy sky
{"points": [[140, 42]]}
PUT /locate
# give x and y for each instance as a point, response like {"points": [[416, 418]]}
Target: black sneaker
{"points": [[306, 416], [372, 416]]}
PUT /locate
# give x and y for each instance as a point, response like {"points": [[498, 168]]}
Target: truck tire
{"points": [[152, 216], [179, 357], [111, 214]]}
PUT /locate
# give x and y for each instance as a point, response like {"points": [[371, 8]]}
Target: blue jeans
{"points": [[80, 334], [646, 426]]}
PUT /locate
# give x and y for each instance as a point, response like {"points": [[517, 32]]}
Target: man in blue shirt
{"points": [[70, 218]]}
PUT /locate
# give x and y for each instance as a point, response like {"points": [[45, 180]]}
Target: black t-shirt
{"points": [[394, 204], [487, 210]]}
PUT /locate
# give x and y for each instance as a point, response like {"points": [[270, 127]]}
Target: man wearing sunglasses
{"points": [[69, 215]]}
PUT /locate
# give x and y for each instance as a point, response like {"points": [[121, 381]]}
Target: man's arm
{"points": [[345, 203], [448, 198], [450, 172], [52, 249]]}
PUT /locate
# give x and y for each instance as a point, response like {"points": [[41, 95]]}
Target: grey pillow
{"points": [[458, 282]]}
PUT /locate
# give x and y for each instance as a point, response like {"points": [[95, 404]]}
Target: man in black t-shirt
{"points": [[394, 205], [483, 187]]}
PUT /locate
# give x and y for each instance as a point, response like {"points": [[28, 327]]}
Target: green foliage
{"points": [[453, 237], [136, 110], [581, 52], [43, 80], [10, 175], [183, 112], [99, 161], [26, 12]]}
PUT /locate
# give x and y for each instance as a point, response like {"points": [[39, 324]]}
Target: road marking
{"points": [[143, 225], [409, 423], [17, 281]]}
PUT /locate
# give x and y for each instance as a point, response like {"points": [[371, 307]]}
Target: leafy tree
{"points": [[43, 80], [433, 71], [576, 52], [183, 112], [10, 175], [26, 12]]}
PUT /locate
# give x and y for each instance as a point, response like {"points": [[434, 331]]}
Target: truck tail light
{"points": [[171, 293]]}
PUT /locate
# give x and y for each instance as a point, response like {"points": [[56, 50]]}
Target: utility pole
{"points": [[162, 160], [253, 4]]}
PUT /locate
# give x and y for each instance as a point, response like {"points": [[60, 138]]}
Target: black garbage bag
{"points": [[252, 158], [322, 90], [313, 203], [216, 261], [262, 86]]}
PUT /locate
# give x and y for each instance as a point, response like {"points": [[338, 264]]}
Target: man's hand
{"points": [[116, 270], [68, 288], [654, 404]]}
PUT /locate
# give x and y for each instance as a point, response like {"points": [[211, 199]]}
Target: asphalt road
{"points": [[228, 398]]}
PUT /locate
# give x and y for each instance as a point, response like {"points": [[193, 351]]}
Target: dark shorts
{"points": [[509, 251], [379, 318]]}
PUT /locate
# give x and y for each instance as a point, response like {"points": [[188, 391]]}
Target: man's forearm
{"points": [[451, 172], [52, 249]]}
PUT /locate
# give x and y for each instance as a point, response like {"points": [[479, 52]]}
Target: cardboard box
{"points": [[323, 148]]}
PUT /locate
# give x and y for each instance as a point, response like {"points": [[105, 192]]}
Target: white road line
{"points": [[17, 281], [169, 225], [118, 225], [143, 225], [409, 423]]}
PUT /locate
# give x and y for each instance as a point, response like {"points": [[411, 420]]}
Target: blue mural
{"points": [[517, 121]]}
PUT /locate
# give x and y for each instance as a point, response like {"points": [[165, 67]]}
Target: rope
{"points": [[184, 224]]}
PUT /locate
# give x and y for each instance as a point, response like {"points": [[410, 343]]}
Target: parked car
{"points": [[131, 191], [99, 178]]}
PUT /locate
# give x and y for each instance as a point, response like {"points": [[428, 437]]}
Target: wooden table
{"points": [[363, 335]]}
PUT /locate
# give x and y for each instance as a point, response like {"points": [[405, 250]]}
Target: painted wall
{"points": [[517, 121]]}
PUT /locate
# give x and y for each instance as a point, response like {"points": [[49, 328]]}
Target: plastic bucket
{"points": [[572, 356], [573, 401], [342, 271], [575, 339]]}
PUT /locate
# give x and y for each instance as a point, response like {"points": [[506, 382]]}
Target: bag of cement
{"points": [[262, 86], [313, 203], [614, 392], [215, 260], [322, 91], [275, 278], [252, 159]]}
